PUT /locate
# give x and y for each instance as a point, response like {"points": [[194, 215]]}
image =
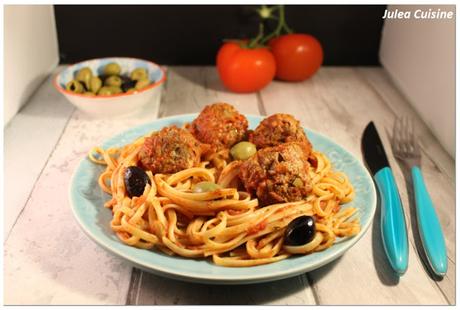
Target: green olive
{"points": [[112, 69], [74, 86], [84, 75], [95, 84], [298, 182], [243, 150], [105, 91], [204, 187], [142, 84], [139, 74], [113, 80], [115, 90]]}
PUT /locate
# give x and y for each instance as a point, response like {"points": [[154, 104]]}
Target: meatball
{"points": [[280, 128], [170, 150], [277, 174], [219, 125]]}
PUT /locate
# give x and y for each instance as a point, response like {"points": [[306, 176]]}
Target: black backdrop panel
{"points": [[191, 35]]}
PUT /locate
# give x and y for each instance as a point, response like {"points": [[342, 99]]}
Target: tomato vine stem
{"points": [[259, 36], [282, 25], [267, 13]]}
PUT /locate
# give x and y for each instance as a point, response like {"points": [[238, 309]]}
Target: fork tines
{"points": [[404, 143]]}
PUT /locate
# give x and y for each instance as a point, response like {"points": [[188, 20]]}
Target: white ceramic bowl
{"points": [[115, 105]]}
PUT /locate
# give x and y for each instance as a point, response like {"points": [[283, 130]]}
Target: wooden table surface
{"points": [[49, 260]]}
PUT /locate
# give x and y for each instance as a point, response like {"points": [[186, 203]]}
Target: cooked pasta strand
{"points": [[227, 224]]}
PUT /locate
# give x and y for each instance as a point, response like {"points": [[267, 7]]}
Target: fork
{"points": [[406, 149]]}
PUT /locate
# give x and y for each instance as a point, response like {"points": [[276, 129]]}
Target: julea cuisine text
{"points": [[418, 14]]}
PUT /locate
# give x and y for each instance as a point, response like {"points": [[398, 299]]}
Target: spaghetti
{"points": [[225, 224]]}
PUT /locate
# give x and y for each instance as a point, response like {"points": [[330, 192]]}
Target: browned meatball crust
{"points": [[219, 125], [280, 128], [277, 174], [170, 150]]}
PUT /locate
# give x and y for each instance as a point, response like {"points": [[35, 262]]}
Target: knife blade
{"points": [[392, 221]]}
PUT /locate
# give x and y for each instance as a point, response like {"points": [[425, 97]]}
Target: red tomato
{"points": [[245, 70], [298, 56]]}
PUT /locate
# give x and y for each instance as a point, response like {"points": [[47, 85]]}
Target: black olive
{"points": [[128, 84], [300, 231], [125, 78], [135, 181]]}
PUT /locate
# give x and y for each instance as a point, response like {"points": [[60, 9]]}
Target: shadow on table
{"points": [[46, 102], [164, 291], [157, 290], [319, 273]]}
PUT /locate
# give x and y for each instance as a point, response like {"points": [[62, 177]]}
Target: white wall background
{"points": [[30, 52], [420, 57]]}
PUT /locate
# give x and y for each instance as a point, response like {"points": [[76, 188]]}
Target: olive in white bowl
{"points": [[113, 86]]}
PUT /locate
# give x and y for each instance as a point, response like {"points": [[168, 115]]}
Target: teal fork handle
{"points": [[428, 225], [393, 224]]}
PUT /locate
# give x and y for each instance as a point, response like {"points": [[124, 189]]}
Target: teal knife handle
{"points": [[428, 225], [393, 224]]}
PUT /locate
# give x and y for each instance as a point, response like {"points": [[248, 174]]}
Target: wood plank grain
{"points": [[48, 258], [34, 130], [338, 103], [189, 89], [161, 291], [384, 87]]}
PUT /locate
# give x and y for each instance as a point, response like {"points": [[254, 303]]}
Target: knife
{"points": [[392, 221]]}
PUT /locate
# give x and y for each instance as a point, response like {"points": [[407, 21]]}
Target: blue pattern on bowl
{"points": [[87, 204]]}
